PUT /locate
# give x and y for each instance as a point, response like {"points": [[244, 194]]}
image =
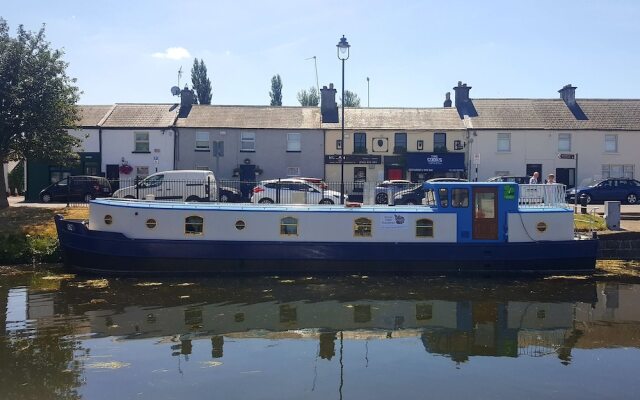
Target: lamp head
{"points": [[343, 48]]}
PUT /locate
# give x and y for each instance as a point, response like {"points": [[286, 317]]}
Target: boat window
{"points": [[460, 198], [108, 219], [240, 225], [193, 225], [429, 198], [151, 223], [289, 226], [362, 227], [424, 228], [443, 194]]}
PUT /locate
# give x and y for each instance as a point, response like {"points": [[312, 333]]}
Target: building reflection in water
{"points": [[457, 319]]}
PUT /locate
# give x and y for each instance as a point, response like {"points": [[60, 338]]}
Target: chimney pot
{"points": [[447, 100]]}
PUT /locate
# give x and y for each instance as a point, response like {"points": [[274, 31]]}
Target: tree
{"points": [[37, 101], [309, 98], [276, 90], [351, 99], [200, 82]]}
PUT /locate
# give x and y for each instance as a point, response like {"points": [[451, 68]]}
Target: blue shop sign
{"points": [[435, 162]]}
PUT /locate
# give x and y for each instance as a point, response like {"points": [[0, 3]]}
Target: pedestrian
{"points": [[551, 179], [534, 178]]}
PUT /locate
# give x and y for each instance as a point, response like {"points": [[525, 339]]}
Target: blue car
{"points": [[612, 189]]}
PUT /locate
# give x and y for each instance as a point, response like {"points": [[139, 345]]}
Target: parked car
{"points": [[409, 196], [316, 181], [447, 180], [82, 188], [394, 186], [229, 195], [520, 180], [612, 189], [293, 191], [180, 185]]}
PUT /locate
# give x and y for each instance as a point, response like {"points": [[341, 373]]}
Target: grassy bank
{"points": [[28, 235]]}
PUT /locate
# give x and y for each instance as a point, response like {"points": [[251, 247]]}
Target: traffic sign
{"points": [[566, 156]]}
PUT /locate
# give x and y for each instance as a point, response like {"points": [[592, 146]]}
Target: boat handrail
{"points": [[542, 196]]}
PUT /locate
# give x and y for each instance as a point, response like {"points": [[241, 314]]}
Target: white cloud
{"points": [[173, 53]]}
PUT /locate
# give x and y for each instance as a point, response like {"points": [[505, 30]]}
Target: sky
{"points": [[412, 51]]}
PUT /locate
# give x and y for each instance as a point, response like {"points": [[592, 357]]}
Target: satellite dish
{"points": [[175, 90]]}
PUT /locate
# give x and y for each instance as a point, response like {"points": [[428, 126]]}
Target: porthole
{"points": [[151, 223], [108, 219], [541, 226], [193, 225], [240, 225]]}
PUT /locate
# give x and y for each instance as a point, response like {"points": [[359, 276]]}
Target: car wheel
{"points": [[632, 198], [87, 197], [192, 199], [587, 197], [224, 198], [45, 197], [326, 201], [381, 198], [266, 200]]}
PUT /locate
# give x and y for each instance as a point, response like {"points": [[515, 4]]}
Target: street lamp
{"points": [[343, 54]]}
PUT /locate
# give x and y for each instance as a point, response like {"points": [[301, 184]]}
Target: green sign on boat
{"points": [[509, 192]]}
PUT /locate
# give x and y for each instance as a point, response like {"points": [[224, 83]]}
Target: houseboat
{"points": [[460, 226]]}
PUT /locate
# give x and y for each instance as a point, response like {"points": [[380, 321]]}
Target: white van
{"points": [[179, 185]]}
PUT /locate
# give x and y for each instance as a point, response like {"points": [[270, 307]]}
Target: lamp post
{"points": [[367, 91], [343, 54]]}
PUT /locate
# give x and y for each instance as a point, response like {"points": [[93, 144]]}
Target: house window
{"points": [[289, 226], [193, 225], [440, 142], [420, 144], [202, 141], [504, 142], [618, 171], [362, 227], [142, 172], [338, 144], [424, 228], [247, 141], [293, 142], [611, 143], [400, 144], [293, 171], [141, 142], [564, 142], [360, 143]]}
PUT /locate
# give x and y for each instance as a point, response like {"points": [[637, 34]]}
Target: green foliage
{"points": [[23, 249], [310, 98], [200, 81], [37, 101], [16, 179], [351, 99], [276, 90]]}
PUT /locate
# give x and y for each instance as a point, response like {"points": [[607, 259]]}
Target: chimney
{"points": [[447, 100], [568, 95], [462, 94], [328, 105], [187, 99]]}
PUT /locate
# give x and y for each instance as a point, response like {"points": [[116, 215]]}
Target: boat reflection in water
{"points": [[221, 319]]}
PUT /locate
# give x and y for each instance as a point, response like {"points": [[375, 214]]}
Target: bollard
{"points": [[612, 214], [583, 204]]}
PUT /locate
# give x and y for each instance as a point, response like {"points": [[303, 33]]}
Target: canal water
{"points": [[354, 337]]}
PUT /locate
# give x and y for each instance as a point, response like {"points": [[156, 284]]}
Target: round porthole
{"points": [[151, 223], [108, 219], [240, 225], [541, 226]]}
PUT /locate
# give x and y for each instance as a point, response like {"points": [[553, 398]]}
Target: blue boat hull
{"points": [[108, 252]]}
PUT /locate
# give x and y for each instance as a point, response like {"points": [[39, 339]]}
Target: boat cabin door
{"points": [[485, 213]]}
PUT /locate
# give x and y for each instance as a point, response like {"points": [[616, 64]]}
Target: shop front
{"points": [[425, 166]]}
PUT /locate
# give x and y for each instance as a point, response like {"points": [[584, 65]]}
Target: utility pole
{"points": [[367, 91]]}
